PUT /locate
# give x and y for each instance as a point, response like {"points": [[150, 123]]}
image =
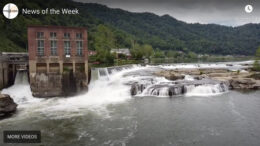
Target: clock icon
{"points": [[249, 8]]}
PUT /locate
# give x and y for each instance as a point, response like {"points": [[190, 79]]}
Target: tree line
{"points": [[146, 34]]}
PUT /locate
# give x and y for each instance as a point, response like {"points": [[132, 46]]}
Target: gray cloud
{"points": [[224, 12]]}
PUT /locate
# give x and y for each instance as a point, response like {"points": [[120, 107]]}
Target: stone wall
{"points": [[46, 85], [3, 75], [53, 85]]}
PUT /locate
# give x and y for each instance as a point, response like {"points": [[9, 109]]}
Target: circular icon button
{"points": [[10, 11], [249, 8]]}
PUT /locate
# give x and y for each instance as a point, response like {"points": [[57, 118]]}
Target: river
{"points": [[109, 115]]}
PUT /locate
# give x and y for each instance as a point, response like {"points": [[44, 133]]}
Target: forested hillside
{"points": [[110, 28], [168, 33]]}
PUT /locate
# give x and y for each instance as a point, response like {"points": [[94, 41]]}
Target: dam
{"points": [[109, 115], [10, 64], [56, 62]]}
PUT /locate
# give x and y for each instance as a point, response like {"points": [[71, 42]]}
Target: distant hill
{"points": [[166, 32], [162, 32]]}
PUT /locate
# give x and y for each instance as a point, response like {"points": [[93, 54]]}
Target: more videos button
{"points": [[22, 136]]}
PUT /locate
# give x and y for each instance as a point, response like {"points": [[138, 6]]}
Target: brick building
{"points": [[55, 50]]}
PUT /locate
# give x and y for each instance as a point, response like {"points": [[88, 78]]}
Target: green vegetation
{"points": [[138, 51], [146, 34], [256, 65], [167, 33], [201, 72], [158, 54]]}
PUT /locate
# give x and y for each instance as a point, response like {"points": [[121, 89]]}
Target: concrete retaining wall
{"points": [[3, 75]]}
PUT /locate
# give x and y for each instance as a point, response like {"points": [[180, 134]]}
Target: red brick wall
{"points": [[31, 43], [85, 44], [60, 30]]}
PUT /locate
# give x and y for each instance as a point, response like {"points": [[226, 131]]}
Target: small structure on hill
{"points": [[121, 51]]}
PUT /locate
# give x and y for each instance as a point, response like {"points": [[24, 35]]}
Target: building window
{"points": [[78, 35], [66, 35], [53, 35], [53, 47], [40, 48], [40, 35], [67, 47], [79, 48]]}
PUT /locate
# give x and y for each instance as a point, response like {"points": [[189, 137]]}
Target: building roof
{"points": [[55, 26], [125, 51], [14, 53]]}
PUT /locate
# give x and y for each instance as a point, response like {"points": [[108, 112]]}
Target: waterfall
{"points": [[103, 72], [185, 88], [21, 78], [20, 91], [117, 84], [206, 90]]}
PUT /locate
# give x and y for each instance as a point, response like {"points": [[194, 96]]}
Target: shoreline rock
{"points": [[7, 106], [235, 79], [170, 75], [244, 83]]}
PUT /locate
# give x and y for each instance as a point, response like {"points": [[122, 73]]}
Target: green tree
{"points": [[158, 54], [104, 41], [257, 55], [192, 55], [104, 38], [136, 51], [147, 50], [104, 56], [256, 66]]}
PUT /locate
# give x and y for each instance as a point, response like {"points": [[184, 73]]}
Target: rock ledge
{"points": [[7, 106]]}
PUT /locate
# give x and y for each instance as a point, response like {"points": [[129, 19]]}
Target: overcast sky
{"points": [[224, 12]]}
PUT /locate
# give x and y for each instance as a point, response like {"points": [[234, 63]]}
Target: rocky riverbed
{"points": [[244, 79]]}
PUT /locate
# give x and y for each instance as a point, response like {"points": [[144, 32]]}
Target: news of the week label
{"points": [[51, 11]]}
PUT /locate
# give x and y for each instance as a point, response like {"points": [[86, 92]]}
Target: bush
{"points": [[256, 66], [201, 72]]}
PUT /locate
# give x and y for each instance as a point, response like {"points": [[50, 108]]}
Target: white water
{"points": [[21, 91], [188, 78], [109, 88], [205, 90], [226, 65]]}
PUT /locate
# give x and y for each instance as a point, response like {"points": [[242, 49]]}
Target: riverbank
{"points": [[236, 79]]}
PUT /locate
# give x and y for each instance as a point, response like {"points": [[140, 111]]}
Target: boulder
{"points": [[257, 85], [7, 105], [200, 77], [174, 76], [255, 76], [242, 83], [171, 75]]}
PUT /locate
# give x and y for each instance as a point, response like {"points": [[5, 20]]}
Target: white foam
{"points": [[21, 91], [188, 78], [205, 90], [226, 65]]}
